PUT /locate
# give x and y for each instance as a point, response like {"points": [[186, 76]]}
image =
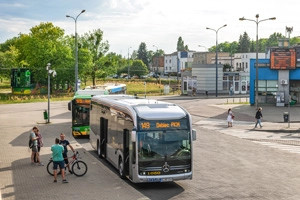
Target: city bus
{"points": [[145, 140], [80, 106]]}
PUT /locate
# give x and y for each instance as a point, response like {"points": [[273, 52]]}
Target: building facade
{"points": [[158, 64], [241, 61], [170, 63]]}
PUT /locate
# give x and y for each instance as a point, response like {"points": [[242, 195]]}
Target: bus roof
{"points": [[89, 92], [148, 109]]}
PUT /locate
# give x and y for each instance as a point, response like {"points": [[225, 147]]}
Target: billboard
{"points": [[283, 58]]}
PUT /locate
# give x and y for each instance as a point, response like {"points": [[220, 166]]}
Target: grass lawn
{"points": [[138, 87]]}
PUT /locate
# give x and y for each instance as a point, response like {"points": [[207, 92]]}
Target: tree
{"points": [[273, 40], [180, 44], [138, 68], [93, 42], [8, 60], [244, 43], [142, 53], [46, 44]]}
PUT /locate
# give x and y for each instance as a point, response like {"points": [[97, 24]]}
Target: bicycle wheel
{"points": [[79, 168], [50, 167]]}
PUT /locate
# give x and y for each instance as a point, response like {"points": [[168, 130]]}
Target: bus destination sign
{"points": [[83, 101], [166, 124]]}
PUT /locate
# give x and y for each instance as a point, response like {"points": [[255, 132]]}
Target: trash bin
{"points": [[286, 116], [45, 115]]}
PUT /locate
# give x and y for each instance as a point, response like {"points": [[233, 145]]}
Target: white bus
{"points": [[146, 140]]}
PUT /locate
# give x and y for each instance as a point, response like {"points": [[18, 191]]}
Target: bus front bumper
{"points": [[165, 178]]}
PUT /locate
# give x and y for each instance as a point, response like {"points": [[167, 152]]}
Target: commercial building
{"points": [[278, 77]]}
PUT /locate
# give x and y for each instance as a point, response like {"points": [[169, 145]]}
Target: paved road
{"points": [[226, 166]]}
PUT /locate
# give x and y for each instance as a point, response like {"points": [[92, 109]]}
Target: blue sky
{"points": [[127, 23]]}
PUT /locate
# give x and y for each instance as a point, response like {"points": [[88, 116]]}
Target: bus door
{"points": [[126, 150], [132, 153], [103, 135]]}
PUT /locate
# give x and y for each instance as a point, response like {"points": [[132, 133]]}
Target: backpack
{"points": [[30, 143]]}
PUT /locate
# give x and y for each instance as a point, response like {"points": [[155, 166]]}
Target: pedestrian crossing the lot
{"points": [[245, 130]]}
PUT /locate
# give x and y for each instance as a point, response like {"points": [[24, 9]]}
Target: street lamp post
{"points": [[256, 63], [203, 47], [49, 72], [76, 49], [128, 64], [216, 54]]}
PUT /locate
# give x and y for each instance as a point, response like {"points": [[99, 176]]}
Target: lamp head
{"points": [[82, 11], [225, 25], [242, 18], [67, 15], [272, 18], [257, 15]]}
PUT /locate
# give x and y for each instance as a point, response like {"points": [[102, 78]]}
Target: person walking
{"points": [[230, 117], [35, 152], [258, 117], [58, 160], [65, 143]]}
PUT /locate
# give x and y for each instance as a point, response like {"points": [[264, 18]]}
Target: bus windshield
{"points": [[81, 115], [167, 144]]}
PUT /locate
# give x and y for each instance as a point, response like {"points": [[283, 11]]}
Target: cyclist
{"points": [[65, 143], [58, 160]]}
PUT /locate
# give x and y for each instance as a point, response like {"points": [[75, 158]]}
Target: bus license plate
{"points": [[159, 179]]}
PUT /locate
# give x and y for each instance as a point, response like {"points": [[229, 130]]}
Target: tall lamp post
{"points": [[256, 63], [76, 49], [203, 47], [128, 64], [216, 54], [49, 72]]}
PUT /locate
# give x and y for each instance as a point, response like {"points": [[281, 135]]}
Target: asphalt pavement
{"points": [[18, 178]]}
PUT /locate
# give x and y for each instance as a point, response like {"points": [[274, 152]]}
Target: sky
{"points": [[158, 23]]}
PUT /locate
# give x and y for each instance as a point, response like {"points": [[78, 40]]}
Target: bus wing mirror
{"points": [[194, 134], [69, 106], [133, 136]]}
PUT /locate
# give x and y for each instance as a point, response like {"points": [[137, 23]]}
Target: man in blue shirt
{"points": [[58, 160]]}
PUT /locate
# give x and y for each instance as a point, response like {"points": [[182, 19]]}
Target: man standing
{"points": [[65, 143], [58, 160], [35, 152]]}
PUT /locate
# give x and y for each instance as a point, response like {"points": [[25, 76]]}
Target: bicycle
{"points": [[79, 168]]}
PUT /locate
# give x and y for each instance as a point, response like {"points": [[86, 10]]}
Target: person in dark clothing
{"points": [[65, 143], [258, 117]]}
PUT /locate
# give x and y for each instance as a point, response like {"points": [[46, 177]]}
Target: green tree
{"points": [[8, 60], [180, 44], [244, 43], [98, 48], [142, 53], [273, 40], [295, 41], [45, 44], [138, 68]]}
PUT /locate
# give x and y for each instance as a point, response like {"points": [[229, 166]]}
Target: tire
{"points": [[79, 168], [121, 168], [50, 167]]}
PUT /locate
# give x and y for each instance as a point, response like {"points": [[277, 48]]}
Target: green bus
{"points": [[80, 106]]}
